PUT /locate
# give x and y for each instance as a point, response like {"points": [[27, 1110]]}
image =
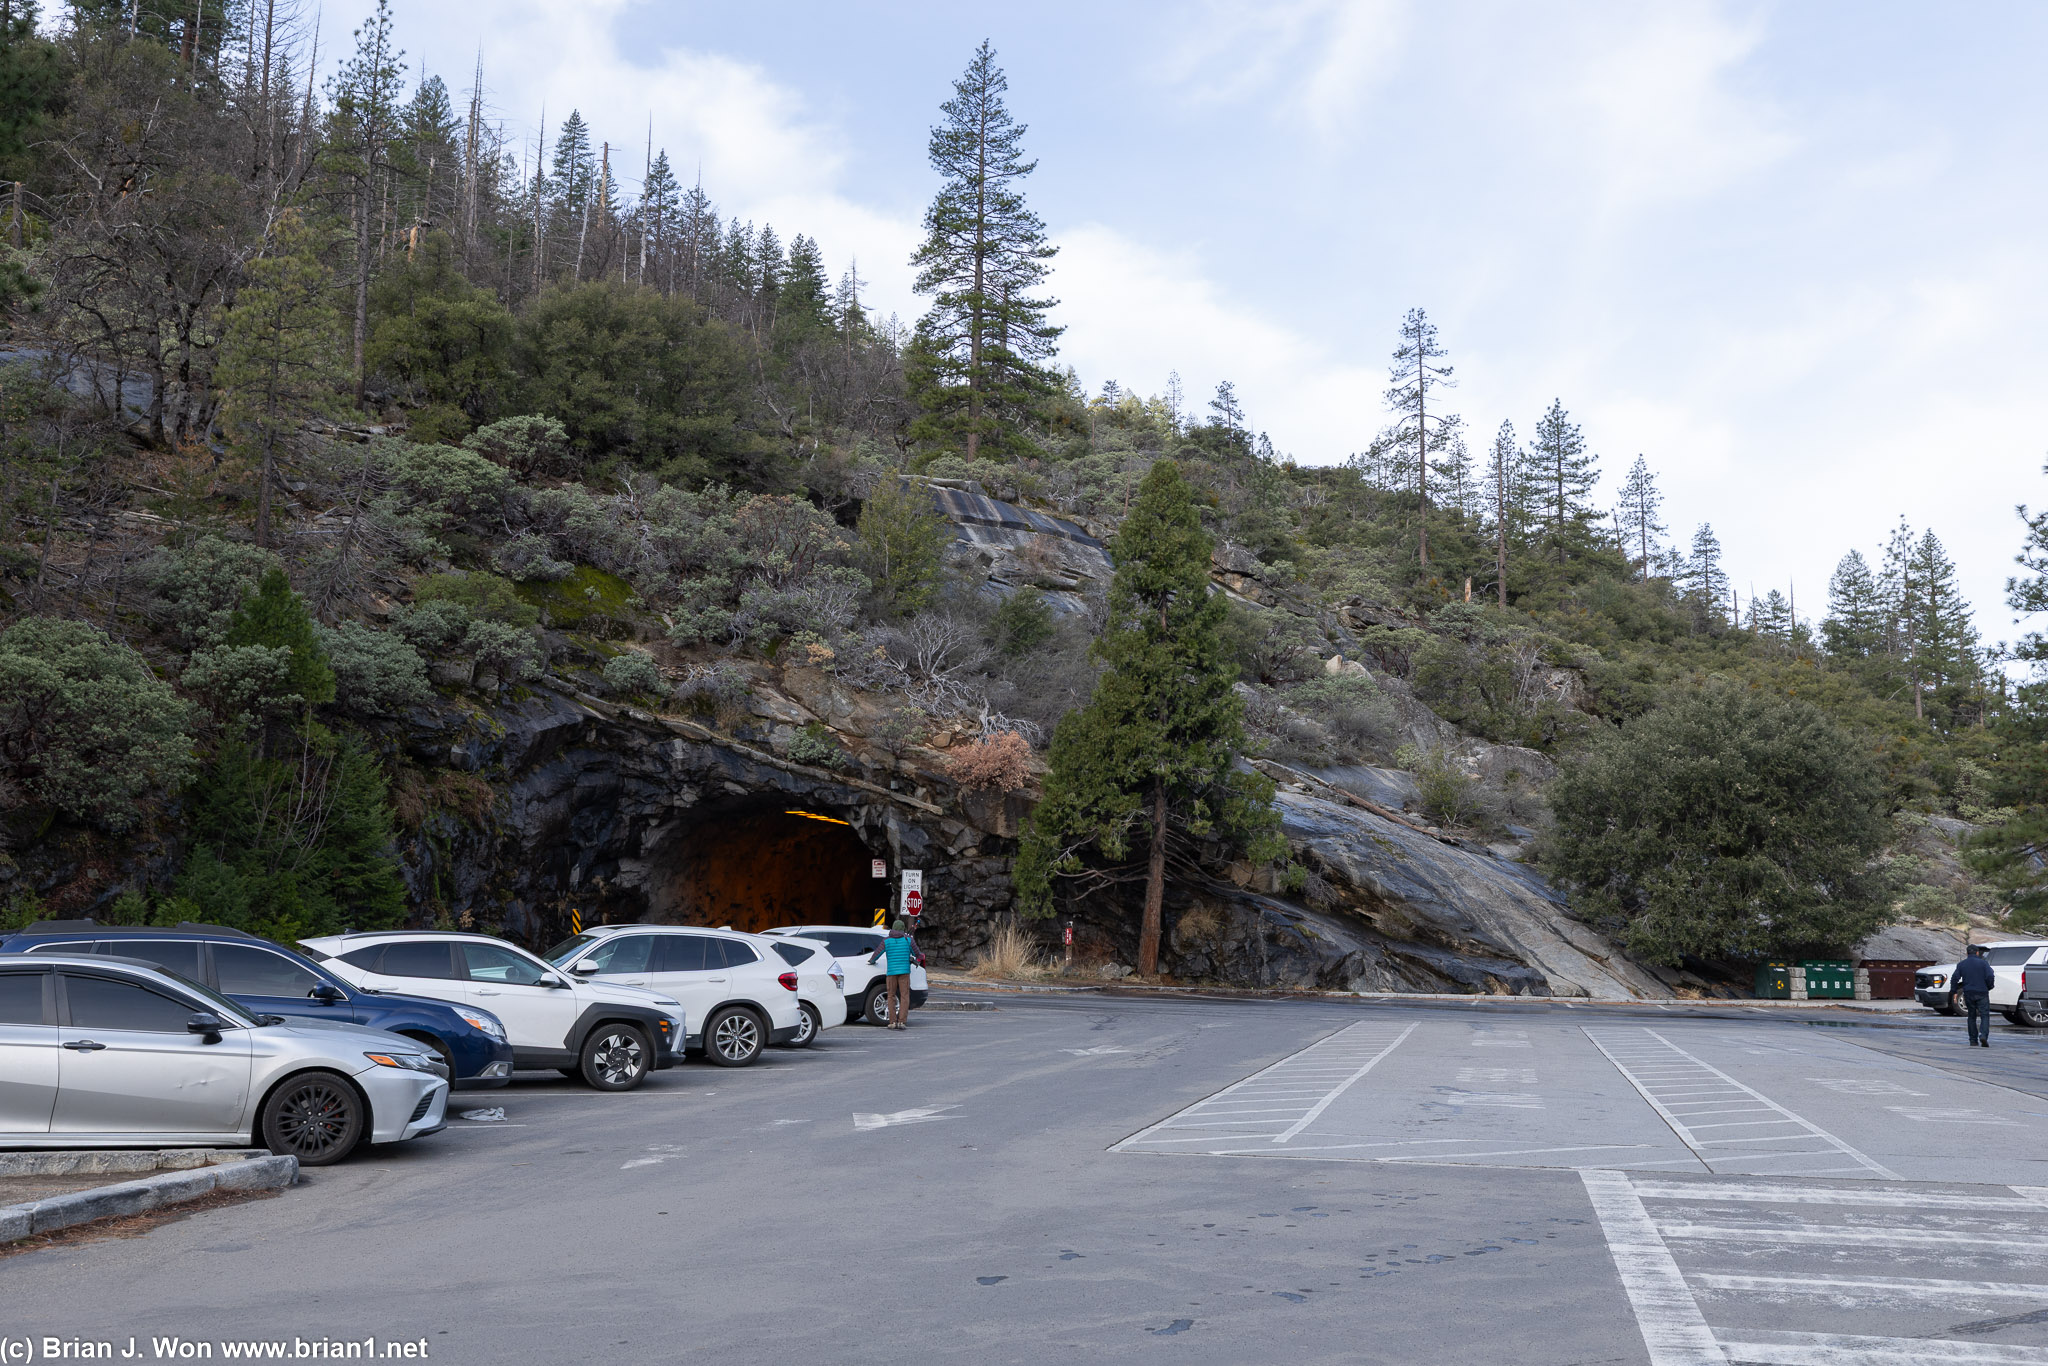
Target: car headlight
{"points": [[487, 1022], [1938, 980], [411, 1062]]}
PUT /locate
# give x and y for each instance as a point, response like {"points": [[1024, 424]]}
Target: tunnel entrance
{"points": [[754, 870]]}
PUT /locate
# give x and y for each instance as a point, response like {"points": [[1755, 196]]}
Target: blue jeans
{"points": [[1978, 1005]]}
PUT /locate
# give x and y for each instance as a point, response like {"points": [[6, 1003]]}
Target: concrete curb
{"points": [[180, 1175]]}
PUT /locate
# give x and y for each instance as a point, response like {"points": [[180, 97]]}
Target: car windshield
{"points": [[570, 947]]}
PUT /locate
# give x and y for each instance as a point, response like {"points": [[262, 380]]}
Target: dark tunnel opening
{"points": [[755, 870]]}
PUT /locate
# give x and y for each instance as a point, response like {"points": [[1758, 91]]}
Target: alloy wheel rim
{"points": [[618, 1059], [313, 1120], [805, 1026], [736, 1036]]}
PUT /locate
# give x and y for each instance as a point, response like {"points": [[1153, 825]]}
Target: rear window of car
{"points": [[736, 954], [794, 954], [173, 955], [97, 1003], [848, 943], [409, 958], [248, 971], [2010, 957], [21, 998]]}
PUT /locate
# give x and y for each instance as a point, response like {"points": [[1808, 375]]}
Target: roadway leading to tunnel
{"points": [[1550, 1187]]}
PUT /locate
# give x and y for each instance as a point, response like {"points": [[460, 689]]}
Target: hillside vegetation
{"points": [[322, 404]]}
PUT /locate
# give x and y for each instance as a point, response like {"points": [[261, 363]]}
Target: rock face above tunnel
{"points": [[625, 816], [606, 811]]}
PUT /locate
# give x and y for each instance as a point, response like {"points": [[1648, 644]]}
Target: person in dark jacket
{"points": [[1974, 976]]}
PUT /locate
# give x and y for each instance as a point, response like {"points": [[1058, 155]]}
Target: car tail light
{"points": [[917, 958], [788, 979]]}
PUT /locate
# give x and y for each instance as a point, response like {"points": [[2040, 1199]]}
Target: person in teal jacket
{"points": [[898, 947]]}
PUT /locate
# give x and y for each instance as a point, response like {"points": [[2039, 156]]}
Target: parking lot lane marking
{"points": [[1906, 1287], [1646, 1059], [2037, 1194], [1518, 1152], [1315, 1111], [1674, 1331], [1851, 1349], [1819, 1195], [924, 1114], [1843, 1236]]}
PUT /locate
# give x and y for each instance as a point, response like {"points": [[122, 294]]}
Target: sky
{"points": [[1788, 253]]}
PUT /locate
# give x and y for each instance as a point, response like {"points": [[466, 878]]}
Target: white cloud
{"points": [[1318, 60]]}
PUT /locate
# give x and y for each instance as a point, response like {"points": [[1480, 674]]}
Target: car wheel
{"points": [[1954, 1006], [875, 1009], [2032, 1014], [317, 1118], [807, 1026], [616, 1057], [733, 1037]]}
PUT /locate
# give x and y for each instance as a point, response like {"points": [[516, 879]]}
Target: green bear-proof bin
{"points": [[1774, 981], [1828, 978]]}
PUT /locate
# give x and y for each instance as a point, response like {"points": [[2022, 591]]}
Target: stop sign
{"points": [[913, 902]]}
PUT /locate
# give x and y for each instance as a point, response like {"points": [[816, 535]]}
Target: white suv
{"points": [[739, 999], [611, 1036], [867, 993], [1934, 985], [820, 983]]}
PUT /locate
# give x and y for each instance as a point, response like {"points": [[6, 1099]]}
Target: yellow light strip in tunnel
{"points": [[814, 816]]}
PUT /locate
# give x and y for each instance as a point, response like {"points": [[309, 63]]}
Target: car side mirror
{"points": [[554, 983], [327, 994], [207, 1024], [584, 969]]}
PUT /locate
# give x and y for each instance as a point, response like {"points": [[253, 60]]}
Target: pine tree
{"points": [[1504, 468], [1771, 615], [1227, 412], [1637, 515], [31, 81], [1566, 473], [806, 305], [660, 214], [276, 617], [1151, 758], [357, 151], [1895, 589], [981, 351], [2013, 854], [1855, 624], [1410, 378], [279, 354], [1943, 657], [1706, 581], [1452, 466]]}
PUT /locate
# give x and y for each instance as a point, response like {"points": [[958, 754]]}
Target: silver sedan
{"points": [[113, 1052]]}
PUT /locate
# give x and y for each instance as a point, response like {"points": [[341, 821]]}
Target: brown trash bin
{"points": [[1891, 979]]}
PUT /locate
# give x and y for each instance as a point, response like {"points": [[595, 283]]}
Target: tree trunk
{"points": [[1155, 886], [361, 335]]}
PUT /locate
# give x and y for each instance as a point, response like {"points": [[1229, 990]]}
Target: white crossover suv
{"points": [[105, 1052], [867, 992], [820, 983], [610, 1035], [738, 998]]}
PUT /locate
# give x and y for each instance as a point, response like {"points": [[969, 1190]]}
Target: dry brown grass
{"points": [[1011, 957]]}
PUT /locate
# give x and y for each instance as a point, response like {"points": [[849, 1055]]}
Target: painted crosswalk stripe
{"points": [[1674, 1331], [1852, 1349]]}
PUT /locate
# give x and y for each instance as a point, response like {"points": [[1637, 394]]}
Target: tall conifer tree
{"points": [[1637, 515], [1567, 473], [1151, 758], [980, 355], [1414, 373]]}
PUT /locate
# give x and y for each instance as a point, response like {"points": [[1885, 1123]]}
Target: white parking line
{"points": [[1851, 1349], [1674, 1331], [1341, 1087], [1946, 1292]]}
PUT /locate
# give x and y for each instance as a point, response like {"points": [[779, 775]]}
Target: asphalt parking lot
{"points": [[1180, 1180]]}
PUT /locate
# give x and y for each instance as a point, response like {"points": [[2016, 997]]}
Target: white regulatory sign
{"points": [[913, 880], [878, 868]]}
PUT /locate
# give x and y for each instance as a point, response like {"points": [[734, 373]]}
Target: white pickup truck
{"points": [[1934, 985]]}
